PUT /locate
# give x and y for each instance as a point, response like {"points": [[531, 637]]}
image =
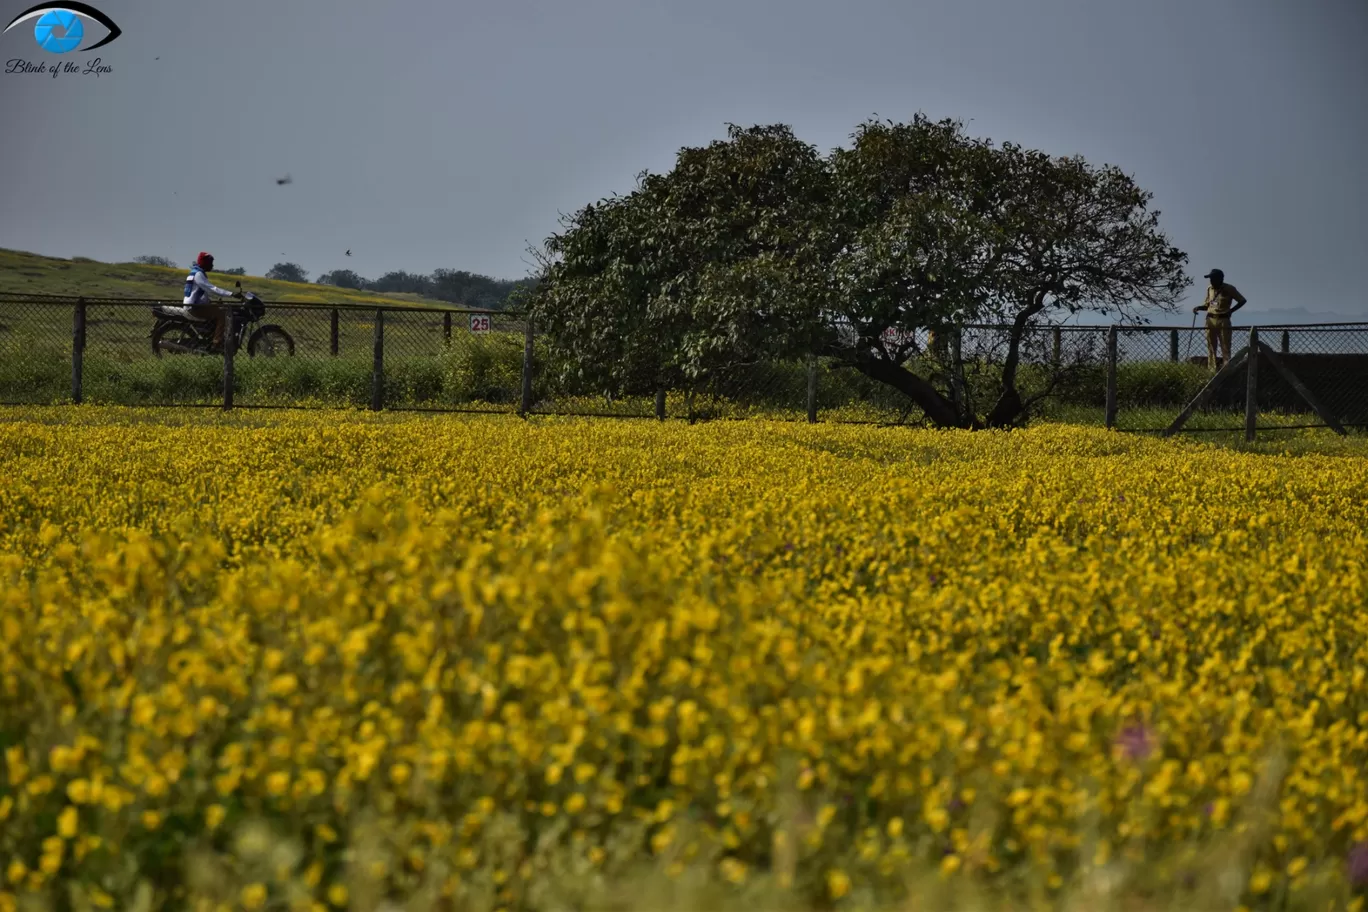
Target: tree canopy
{"points": [[456, 286], [758, 246], [288, 272]]}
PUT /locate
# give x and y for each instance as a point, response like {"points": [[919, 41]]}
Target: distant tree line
{"points": [[171, 264], [455, 286]]}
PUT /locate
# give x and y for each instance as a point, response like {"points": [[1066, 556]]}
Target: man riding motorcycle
{"points": [[196, 304]]}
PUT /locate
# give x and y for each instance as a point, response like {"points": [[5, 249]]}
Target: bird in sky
{"points": [[348, 253], [282, 181]]}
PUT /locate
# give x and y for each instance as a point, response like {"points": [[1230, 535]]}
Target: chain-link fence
{"points": [[1133, 378]]}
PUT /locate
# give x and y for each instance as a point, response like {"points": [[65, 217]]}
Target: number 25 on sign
{"points": [[479, 323]]}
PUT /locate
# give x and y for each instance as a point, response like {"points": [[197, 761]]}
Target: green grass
{"points": [[30, 273], [481, 371]]}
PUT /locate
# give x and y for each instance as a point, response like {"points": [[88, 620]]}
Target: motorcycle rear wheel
{"points": [[175, 339]]}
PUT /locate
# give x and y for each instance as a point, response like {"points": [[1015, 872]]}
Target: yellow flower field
{"points": [[318, 661]]}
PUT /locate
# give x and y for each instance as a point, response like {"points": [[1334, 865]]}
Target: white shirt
{"points": [[202, 288]]}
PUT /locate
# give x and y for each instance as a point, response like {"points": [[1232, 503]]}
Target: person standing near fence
{"points": [[1219, 296]]}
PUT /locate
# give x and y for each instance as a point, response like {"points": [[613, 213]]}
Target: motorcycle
{"points": [[176, 333]]}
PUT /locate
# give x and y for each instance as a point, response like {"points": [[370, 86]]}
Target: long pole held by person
{"points": [[1191, 335]]}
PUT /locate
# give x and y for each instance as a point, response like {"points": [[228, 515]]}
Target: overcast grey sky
{"points": [[433, 133]]}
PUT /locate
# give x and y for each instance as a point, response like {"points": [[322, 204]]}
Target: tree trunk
{"points": [[1009, 407], [939, 409]]}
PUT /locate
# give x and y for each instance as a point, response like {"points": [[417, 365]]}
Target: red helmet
{"points": [[205, 260]]}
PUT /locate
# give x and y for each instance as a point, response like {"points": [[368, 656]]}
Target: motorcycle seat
{"points": [[162, 311]]}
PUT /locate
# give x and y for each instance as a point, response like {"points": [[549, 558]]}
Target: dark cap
{"points": [[1214, 274]]}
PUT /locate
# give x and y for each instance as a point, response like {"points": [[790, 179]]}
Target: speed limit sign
{"points": [[479, 323]]}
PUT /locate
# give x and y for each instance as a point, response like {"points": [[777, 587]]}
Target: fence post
{"points": [[229, 350], [1173, 345], [1252, 385], [812, 389], [78, 333], [1058, 345], [378, 364], [446, 329], [660, 404], [957, 370], [525, 403], [332, 334], [1111, 377], [1286, 343]]}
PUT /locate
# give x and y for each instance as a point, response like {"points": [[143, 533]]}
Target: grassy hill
{"points": [[30, 273]]}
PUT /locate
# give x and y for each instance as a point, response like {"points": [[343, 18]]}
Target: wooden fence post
{"points": [[1173, 345], [378, 364], [1286, 343], [1058, 345], [660, 404], [229, 350], [812, 389], [78, 340], [446, 329], [1111, 377], [1252, 385], [332, 334], [525, 402]]}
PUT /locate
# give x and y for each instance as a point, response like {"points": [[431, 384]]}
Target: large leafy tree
{"points": [[910, 240], [1071, 237], [692, 273], [757, 247]]}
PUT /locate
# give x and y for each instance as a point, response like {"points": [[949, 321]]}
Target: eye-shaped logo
{"points": [[59, 30]]}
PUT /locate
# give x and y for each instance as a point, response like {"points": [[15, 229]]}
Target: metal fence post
{"points": [[1286, 343], [660, 404], [446, 329], [1058, 335], [1252, 385], [229, 350], [332, 334], [1111, 377], [1173, 345], [957, 391], [78, 339], [812, 389], [525, 403], [378, 364]]}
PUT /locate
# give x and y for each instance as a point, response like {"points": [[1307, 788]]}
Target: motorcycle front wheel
{"points": [[174, 339], [270, 341]]}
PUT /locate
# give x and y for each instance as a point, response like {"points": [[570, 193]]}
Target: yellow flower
{"points": [[253, 896], [337, 895], [417, 629], [67, 823]]}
